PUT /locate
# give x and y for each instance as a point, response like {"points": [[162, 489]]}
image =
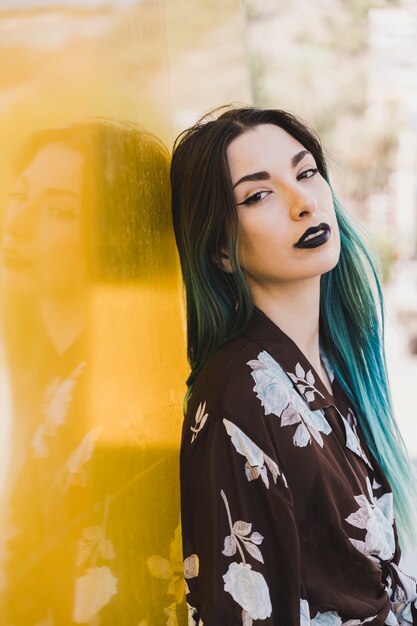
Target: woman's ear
{"points": [[222, 260]]}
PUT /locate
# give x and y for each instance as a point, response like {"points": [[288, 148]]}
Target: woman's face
{"points": [[280, 195], [42, 237]]}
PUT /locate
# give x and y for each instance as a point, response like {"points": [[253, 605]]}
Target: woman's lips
{"points": [[315, 241]]}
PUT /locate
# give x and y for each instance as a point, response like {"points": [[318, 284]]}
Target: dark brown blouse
{"points": [[287, 518]]}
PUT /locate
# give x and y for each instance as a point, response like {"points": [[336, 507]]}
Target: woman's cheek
{"points": [[61, 261]]}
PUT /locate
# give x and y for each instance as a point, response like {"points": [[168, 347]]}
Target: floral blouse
{"points": [[287, 519]]}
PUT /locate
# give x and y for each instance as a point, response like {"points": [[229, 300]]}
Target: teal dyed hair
{"points": [[219, 303], [352, 332]]}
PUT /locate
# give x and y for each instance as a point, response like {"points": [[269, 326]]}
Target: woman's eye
{"points": [[62, 212], [311, 173], [256, 197]]}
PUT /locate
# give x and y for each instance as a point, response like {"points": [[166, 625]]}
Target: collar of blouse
{"points": [[286, 352]]}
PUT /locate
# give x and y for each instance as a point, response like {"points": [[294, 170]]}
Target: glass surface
{"points": [[92, 351]]}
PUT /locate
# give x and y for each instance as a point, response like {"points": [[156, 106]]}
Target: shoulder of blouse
{"points": [[224, 389], [223, 370]]}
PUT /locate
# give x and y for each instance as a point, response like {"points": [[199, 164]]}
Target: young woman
{"points": [[292, 464]]}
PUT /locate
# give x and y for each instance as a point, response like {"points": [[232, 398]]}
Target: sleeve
{"points": [[240, 540]]}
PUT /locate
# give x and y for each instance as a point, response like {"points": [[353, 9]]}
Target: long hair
{"points": [[219, 303]]}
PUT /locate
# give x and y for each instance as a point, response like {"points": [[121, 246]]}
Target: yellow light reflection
{"points": [[92, 333]]}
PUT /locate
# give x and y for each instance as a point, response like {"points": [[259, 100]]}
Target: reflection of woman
{"points": [[289, 448], [81, 210], [89, 204]]}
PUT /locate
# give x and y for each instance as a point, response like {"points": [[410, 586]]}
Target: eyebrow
{"points": [[57, 191], [256, 176], [265, 175], [53, 191]]}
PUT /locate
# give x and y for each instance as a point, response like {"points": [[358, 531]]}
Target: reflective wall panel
{"points": [[92, 351]]}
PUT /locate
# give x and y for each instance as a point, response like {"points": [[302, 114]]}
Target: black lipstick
{"points": [[314, 240]]}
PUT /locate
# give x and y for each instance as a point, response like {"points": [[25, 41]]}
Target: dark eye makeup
{"points": [[260, 195], [254, 198], [314, 171]]}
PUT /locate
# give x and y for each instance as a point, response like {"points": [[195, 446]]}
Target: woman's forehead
{"points": [[54, 164], [262, 147]]}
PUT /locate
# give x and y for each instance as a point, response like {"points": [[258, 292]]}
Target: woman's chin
{"points": [[17, 283]]}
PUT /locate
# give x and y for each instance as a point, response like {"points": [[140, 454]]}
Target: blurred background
{"points": [[92, 351]]}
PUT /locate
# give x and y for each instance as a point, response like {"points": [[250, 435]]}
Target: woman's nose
{"points": [[19, 219], [302, 202]]}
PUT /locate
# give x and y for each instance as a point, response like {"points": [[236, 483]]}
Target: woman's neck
{"points": [[295, 308], [64, 318]]}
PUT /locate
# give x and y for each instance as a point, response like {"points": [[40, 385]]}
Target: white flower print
{"points": [[193, 616], [272, 385], [191, 569], [376, 517], [92, 592], [404, 615], [192, 613], [375, 484], [200, 420], [171, 613], [57, 398], [388, 586], [247, 587], [257, 461], [95, 588], [279, 397], [305, 382], [391, 620], [39, 442], [74, 471], [304, 613], [94, 544], [171, 569], [352, 439], [246, 619], [174, 571], [239, 535], [328, 618], [311, 424], [191, 566]]}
